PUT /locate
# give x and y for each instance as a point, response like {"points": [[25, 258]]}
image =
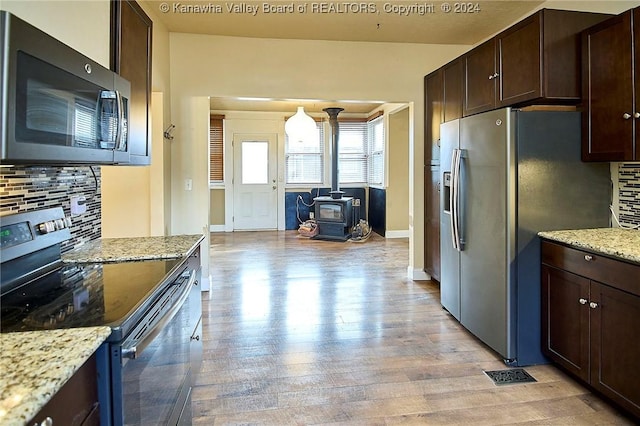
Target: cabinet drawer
{"points": [[615, 273]]}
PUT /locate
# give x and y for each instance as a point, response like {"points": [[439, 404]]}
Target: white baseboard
{"points": [[417, 274], [397, 234], [217, 228]]}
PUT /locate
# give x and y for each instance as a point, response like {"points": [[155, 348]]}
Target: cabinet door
{"points": [[77, 401], [565, 320], [607, 120], [433, 117], [636, 62], [479, 79], [432, 223], [131, 35], [520, 62], [452, 84], [615, 348]]}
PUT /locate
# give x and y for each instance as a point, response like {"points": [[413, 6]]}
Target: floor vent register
{"points": [[510, 376]]}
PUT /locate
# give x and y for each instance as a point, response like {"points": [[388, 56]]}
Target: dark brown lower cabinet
{"points": [[591, 328], [76, 403]]}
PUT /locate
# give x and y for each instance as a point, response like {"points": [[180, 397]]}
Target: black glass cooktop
{"points": [[83, 295]]}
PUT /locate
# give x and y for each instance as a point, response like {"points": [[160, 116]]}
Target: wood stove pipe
{"points": [[335, 133]]}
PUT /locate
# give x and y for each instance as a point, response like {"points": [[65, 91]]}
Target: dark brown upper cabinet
{"points": [[610, 115], [535, 61], [480, 79], [131, 34], [452, 85]]}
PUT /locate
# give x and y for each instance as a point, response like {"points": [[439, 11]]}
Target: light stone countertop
{"points": [[620, 243], [34, 365], [131, 249]]}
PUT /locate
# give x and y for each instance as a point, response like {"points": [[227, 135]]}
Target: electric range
{"points": [[149, 305]]}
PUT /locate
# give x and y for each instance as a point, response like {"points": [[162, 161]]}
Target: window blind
{"points": [[375, 133], [216, 148], [304, 160], [352, 152]]}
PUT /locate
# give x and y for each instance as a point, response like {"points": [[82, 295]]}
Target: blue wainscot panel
{"points": [[378, 210]]}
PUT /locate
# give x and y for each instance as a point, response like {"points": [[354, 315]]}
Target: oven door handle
{"points": [[134, 351]]}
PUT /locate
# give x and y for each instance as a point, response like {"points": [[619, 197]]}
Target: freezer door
{"points": [[485, 210], [449, 256]]}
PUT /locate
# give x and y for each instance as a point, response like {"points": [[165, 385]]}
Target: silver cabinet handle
{"points": [[494, 75], [636, 115], [46, 422], [626, 116], [491, 77], [196, 337], [582, 301], [593, 305], [588, 257]]}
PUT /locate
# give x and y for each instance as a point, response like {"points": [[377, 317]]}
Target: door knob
{"points": [[582, 301], [626, 116], [588, 257], [636, 115], [593, 305]]}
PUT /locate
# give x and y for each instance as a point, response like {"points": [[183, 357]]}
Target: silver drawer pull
{"points": [[593, 305], [582, 301], [588, 257]]}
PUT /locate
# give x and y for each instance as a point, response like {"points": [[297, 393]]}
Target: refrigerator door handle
{"points": [[454, 199], [462, 154]]}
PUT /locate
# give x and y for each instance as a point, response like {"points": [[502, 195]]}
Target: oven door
{"points": [[152, 372]]}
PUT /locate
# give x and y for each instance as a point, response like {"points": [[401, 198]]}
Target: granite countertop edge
{"points": [[36, 364], [111, 250], [622, 244]]}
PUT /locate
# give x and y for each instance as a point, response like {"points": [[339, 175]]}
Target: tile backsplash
{"points": [[26, 188], [629, 194]]}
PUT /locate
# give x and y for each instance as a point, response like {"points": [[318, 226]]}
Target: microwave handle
{"points": [[121, 136]]}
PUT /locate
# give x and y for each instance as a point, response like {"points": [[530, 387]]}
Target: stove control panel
{"points": [[54, 225], [27, 232]]}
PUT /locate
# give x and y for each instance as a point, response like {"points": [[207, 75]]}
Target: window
{"points": [[361, 154], [352, 152], [304, 160], [375, 134], [216, 149]]}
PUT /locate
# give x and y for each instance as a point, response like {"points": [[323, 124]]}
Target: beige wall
{"points": [[89, 33], [216, 207], [297, 69], [397, 194]]}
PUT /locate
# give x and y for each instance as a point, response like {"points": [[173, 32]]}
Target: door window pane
{"points": [[255, 162]]}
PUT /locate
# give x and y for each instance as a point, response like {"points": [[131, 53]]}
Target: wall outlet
{"points": [[78, 204], [188, 184], [312, 215], [356, 202]]}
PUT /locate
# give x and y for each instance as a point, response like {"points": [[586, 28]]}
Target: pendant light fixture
{"points": [[300, 126]]}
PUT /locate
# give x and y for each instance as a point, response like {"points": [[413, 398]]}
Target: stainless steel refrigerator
{"points": [[506, 175]]}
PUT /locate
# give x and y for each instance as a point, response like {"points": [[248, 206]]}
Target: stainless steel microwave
{"points": [[58, 106]]}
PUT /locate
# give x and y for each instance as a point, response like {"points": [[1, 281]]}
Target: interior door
{"points": [[255, 186]]}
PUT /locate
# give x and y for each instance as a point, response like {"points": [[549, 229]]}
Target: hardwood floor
{"points": [[300, 332]]}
